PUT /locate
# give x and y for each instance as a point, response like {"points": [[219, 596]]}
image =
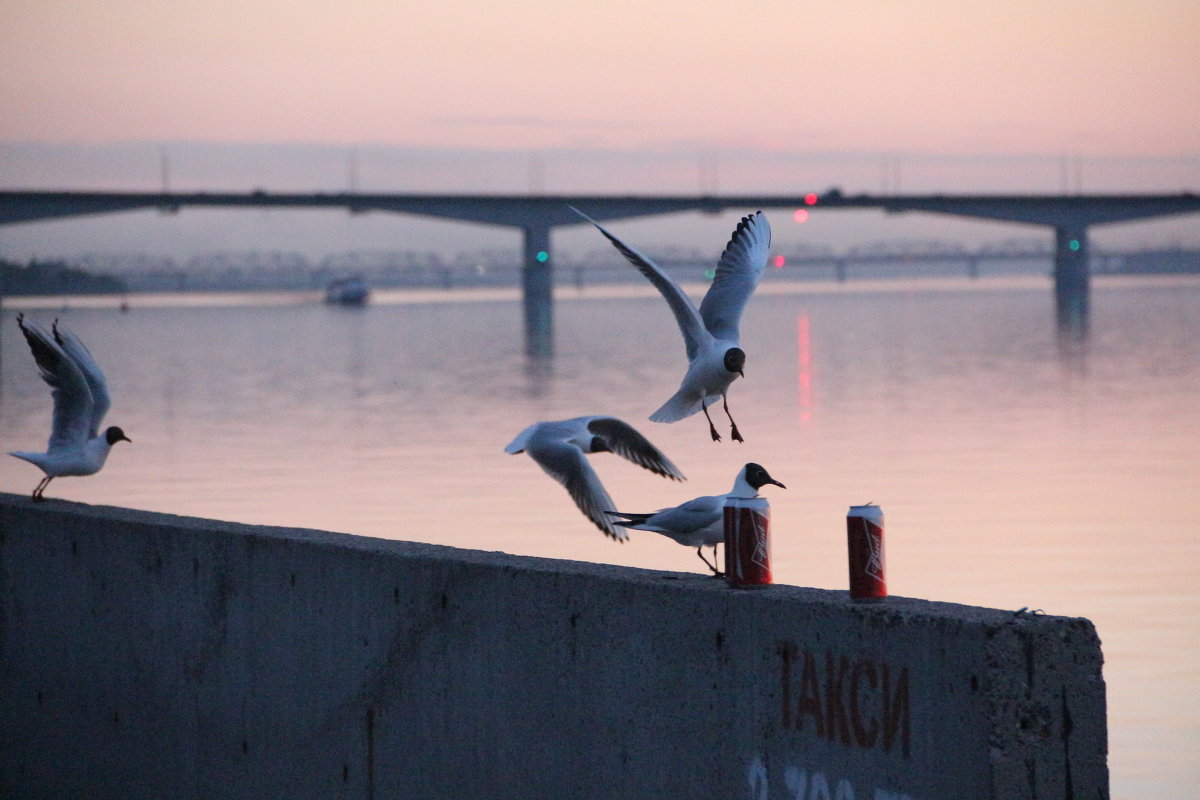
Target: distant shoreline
{"points": [[418, 296]]}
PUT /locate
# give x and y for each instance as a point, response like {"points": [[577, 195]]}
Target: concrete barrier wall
{"points": [[150, 656]]}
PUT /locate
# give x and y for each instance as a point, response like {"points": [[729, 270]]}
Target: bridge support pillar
{"points": [[1072, 276], [537, 284]]}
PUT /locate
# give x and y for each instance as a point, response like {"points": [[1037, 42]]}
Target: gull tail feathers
{"points": [[677, 408], [629, 519]]}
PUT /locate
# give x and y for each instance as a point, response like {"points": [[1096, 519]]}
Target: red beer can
{"points": [[864, 539], [748, 542]]}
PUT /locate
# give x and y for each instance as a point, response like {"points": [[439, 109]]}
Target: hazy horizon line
{"points": [[678, 149], [685, 168]]}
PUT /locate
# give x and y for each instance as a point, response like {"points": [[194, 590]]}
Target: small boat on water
{"points": [[347, 292]]}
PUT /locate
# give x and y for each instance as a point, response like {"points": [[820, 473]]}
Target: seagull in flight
{"points": [[715, 355], [700, 522], [76, 447], [561, 448]]}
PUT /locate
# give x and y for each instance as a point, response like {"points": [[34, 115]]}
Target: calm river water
{"points": [[1016, 467]]}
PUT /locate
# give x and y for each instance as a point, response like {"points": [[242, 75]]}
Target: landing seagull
{"points": [[700, 522], [561, 448], [715, 356], [81, 400]]}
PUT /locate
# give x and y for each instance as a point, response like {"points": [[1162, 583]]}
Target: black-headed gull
{"points": [[715, 356], [561, 448], [700, 522], [76, 447]]}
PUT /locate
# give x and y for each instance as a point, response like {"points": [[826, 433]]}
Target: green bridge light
{"points": [[542, 256], [1073, 244]]}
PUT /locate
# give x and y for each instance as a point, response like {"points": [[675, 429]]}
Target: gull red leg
{"points": [[711, 428], [700, 552], [41, 487], [733, 429]]}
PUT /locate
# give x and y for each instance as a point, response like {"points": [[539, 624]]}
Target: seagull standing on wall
{"points": [[701, 522], [715, 356], [561, 448], [76, 447]]}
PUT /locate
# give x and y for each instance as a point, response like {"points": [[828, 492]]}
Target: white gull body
{"points": [[77, 446], [700, 522], [710, 334], [561, 448]]}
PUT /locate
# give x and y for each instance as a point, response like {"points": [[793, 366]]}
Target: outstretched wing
{"points": [[690, 323], [626, 442], [738, 272], [74, 348], [517, 445], [568, 465], [69, 388]]}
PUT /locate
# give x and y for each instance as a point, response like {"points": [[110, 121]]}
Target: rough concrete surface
{"points": [[150, 656]]}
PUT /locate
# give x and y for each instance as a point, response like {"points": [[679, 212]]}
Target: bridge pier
{"points": [[537, 285], [1072, 276], [1070, 215]]}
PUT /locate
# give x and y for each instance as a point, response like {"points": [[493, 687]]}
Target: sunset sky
{"points": [[1094, 76], [623, 95]]}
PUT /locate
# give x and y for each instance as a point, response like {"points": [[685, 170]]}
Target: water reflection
{"points": [[1073, 314], [1072, 345], [1018, 465], [804, 399], [539, 371]]}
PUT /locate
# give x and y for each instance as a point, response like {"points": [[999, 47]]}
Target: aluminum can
{"points": [[748, 542], [864, 540]]}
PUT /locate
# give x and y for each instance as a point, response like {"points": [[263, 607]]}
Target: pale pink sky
{"points": [[1092, 77], [564, 96]]}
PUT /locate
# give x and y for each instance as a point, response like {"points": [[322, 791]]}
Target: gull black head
{"points": [[757, 477], [735, 360], [599, 446], [115, 434]]}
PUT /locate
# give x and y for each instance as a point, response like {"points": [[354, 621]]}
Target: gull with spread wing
{"points": [[76, 447], [560, 448], [715, 355]]}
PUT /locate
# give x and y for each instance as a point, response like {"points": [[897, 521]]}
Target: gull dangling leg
{"points": [[716, 437], [733, 430]]}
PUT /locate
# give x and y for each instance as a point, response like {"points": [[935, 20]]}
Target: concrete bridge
{"points": [[1071, 216]]}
